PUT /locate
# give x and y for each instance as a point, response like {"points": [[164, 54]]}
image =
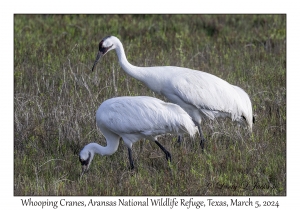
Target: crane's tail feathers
{"points": [[180, 121], [250, 122], [245, 106], [190, 129]]}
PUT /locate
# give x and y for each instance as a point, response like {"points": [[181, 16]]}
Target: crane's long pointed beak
{"points": [[99, 55]]}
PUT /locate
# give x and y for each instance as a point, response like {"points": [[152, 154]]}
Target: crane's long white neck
{"points": [[136, 72], [109, 149]]}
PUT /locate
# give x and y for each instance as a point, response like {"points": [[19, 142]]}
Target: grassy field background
{"points": [[56, 96]]}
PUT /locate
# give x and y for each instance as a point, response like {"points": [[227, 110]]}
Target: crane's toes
{"points": [[131, 167]]}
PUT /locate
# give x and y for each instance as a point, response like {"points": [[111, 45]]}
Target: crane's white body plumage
{"points": [[200, 94], [134, 118]]}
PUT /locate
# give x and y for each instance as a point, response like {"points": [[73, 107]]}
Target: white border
{"points": [[9, 8]]}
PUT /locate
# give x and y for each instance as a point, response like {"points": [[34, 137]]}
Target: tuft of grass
{"points": [[56, 96]]}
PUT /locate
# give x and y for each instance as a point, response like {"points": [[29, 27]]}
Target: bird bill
{"points": [[99, 55]]}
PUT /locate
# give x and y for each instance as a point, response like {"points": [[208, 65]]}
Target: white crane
{"points": [[134, 118], [200, 94]]}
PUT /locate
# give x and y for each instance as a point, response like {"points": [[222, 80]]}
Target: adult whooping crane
{"points": [[200, 94], [134, 118]]}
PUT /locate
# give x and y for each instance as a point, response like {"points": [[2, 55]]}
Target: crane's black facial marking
{"points": [[103, 49], [85, 162]]}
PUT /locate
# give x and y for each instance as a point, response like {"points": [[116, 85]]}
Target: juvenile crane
{"points": [[134, 118], [200, 94]]}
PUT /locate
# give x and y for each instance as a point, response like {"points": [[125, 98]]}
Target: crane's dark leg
{"points": [[202, 139], [130, 159], [180, 138], [168, 155]]}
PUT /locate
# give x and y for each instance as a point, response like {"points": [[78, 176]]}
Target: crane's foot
{"points": [[131, 167], [168, 156]]}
